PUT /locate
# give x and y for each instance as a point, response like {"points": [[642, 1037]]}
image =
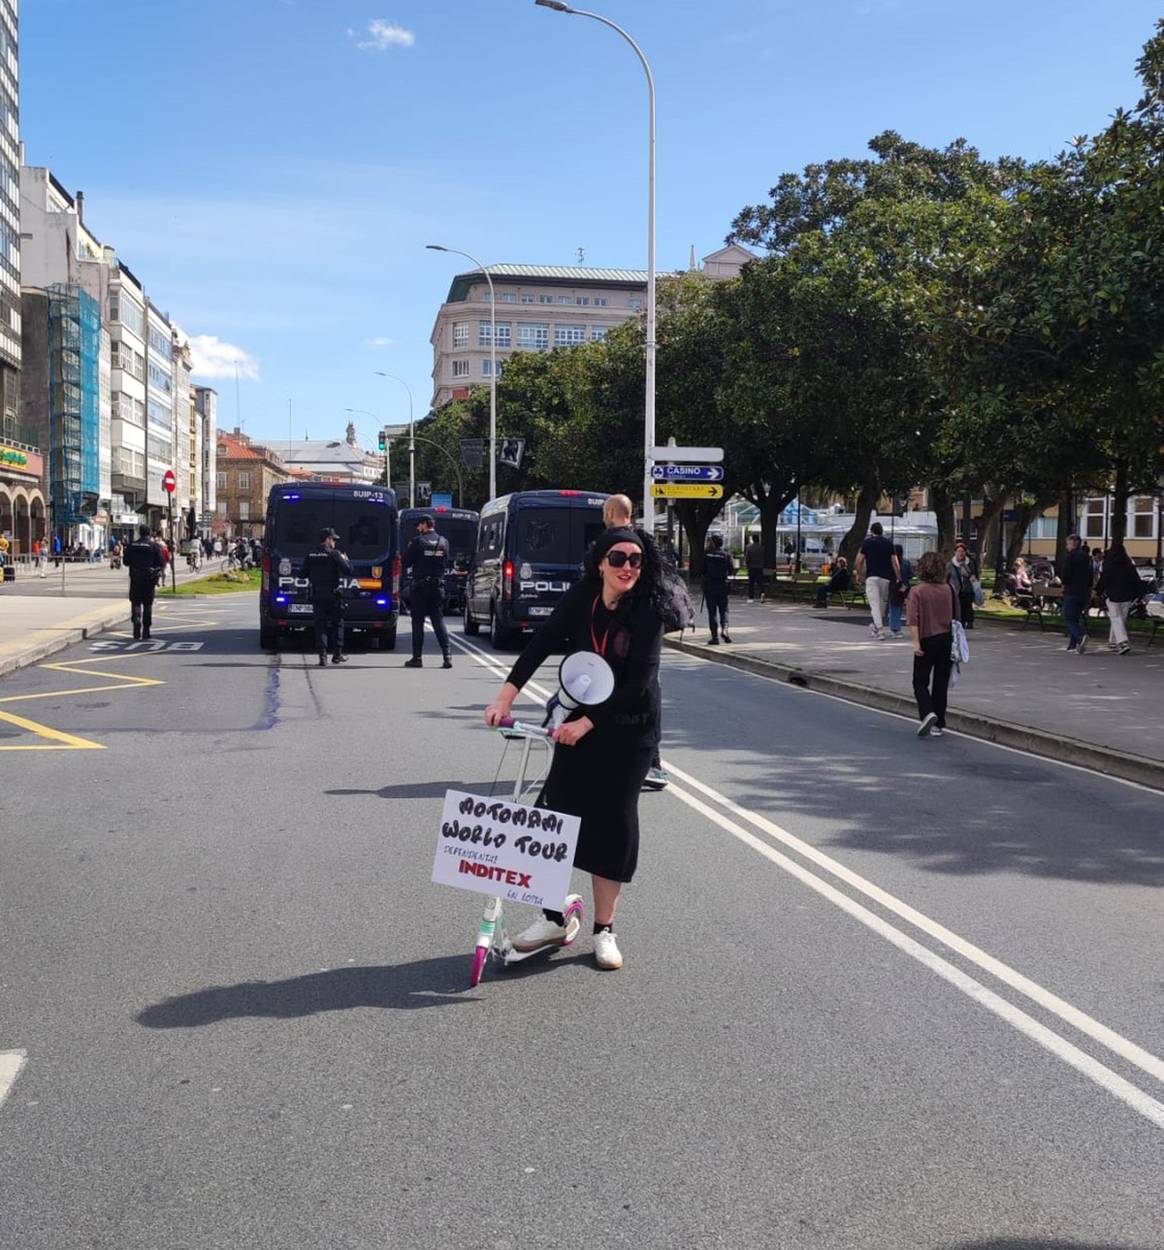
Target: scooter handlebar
{"points": [[516, 728]]}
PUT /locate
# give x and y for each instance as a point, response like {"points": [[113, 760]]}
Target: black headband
{"points": [[611, 538]]}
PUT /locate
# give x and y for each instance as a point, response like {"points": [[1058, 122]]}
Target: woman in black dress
{"points": [[603, 752]]}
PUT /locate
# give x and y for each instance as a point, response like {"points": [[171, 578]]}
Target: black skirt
{"points": [[599, 779]]}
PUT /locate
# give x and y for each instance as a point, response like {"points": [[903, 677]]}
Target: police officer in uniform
{"points": [[426, 557], [718, 567], [324, 568], [143, 559]]}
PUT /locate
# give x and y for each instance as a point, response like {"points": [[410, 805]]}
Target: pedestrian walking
{"points": [[963, 576], [1076, 578], [618, 513], [325, 568], [58, 548], [754, 562], [1120, 584], [603, 752], [718, 567], [426, 558], [144, 562], [898, 592], [877, 561], [930, 610]]}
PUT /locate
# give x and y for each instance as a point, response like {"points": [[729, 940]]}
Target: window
{"points": [[635, 303], [565, 299], [569, 336], [1094, 516], [582, 299], [460, 368], [221, 481], [460, 334], [221, 506], [1142, 517], [545, 299], [244, 509], [598, 333], [504, 330], [159, 342], [533, 334], [124, 308], [161, 379], [504, 334], [487, 364], [600, 301], [527, 299], [507, 297], [244, 481]]}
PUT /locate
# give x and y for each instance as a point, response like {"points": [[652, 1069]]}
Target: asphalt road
{"points": [[878, 992]]}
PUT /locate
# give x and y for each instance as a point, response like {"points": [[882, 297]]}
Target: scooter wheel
{"points": [[574, 912], [480, 955]]}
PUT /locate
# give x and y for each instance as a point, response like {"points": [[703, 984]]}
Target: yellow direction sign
{"points": [[686, 490]]}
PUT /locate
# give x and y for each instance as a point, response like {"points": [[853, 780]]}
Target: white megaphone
{"points": [[584, 680]]}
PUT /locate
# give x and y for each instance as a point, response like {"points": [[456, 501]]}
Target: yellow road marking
{"points": [[67, 742]]}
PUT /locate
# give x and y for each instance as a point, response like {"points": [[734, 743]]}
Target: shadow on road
{"points": [[423, 983]]}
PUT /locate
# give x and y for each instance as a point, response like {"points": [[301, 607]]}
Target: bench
{"points": [[1155, 610], [1039, 599]]}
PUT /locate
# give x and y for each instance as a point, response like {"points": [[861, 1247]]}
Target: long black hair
{"points": [[648, 589]]}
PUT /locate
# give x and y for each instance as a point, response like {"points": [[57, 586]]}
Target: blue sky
{"points": [[272, 169]]}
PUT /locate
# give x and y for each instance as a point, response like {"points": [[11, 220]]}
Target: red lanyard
{"points": [[601, 650]]}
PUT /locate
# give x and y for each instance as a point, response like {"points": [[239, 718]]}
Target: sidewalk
{"points": [[1100, 710], [32, 627]]}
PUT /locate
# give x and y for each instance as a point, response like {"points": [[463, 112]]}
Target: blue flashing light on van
{"points": [[365, 519], [530, 548]]}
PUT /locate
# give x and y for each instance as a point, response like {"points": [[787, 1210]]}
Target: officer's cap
{"points": [[424, 518], [327, 533]]}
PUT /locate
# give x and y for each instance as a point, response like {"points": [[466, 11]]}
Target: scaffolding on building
{"points": [[74, 404]]}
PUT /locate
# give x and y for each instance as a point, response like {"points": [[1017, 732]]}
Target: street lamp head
{"points": [[435, 247], [556, 5]]}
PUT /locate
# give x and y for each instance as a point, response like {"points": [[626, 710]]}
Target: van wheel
{"points": [[498, 635], [268, 638], [388, 638], [472, 626]]}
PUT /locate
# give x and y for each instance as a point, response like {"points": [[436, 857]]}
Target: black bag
{"points": [[678, 614]]}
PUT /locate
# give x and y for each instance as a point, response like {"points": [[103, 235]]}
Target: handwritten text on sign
{"points": [[495, 846]]}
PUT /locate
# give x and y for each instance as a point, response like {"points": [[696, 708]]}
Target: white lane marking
{"points": [[1045, 1037], [1114, 1042], [1008, 1012], [11, 1061]]}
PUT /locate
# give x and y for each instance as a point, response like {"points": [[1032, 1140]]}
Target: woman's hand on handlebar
{"points": [[500, 708], [568, 734]]}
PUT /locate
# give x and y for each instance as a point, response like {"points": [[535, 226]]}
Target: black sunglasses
{"points": [[618, 558]]}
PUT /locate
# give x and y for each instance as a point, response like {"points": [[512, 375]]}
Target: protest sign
{"points": [[496, 846]]}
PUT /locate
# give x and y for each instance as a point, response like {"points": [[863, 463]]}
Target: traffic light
{"points": [[383, 440]]}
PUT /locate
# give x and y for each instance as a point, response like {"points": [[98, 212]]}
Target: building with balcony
{"points": [[539, 308]]}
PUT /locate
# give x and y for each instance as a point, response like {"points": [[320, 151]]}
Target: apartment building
{"points": [[10, 311], [331, 460], [539, 307], [246, 471]]}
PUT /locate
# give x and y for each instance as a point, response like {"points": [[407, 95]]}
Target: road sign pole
{"points": [[173, 554]]}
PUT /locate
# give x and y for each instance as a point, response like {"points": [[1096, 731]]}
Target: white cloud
{"points": [[383, 35], [215, 359], [381, 341]]}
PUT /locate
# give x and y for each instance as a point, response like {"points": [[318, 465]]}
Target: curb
{"points": [[1137, 768], [59, 641]]}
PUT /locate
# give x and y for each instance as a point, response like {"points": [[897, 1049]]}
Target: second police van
{"points": [[459, 526], [530, 547]]}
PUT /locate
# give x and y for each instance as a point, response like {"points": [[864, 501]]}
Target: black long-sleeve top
{"points": [[629, 639]]}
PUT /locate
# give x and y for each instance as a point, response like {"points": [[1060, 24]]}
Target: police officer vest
{"points": [[429, 557]]}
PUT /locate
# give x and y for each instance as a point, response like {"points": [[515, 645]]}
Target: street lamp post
{"points": [[411, 437], [649, 417], [436, 247], [363, 412]]}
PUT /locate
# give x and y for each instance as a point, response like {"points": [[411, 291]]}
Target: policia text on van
{"points": [[364, 517], [529, 552]]}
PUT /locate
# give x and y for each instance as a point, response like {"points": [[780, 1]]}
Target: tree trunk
{"points": [[991, 509], [866, 501], [1065, 526], [947, 526], [1119, 505], [1025, 514], [696, 519]]}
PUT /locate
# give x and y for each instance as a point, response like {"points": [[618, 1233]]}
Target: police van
{"points": [[459, 526], [365, 519], [530, 547]]}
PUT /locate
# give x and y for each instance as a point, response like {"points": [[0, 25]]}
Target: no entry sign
{"points": [[169, 481]]}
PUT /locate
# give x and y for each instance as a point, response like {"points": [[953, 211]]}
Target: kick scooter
{"points": [[491, 934]]}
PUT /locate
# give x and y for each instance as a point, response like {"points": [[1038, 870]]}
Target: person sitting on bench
{"points": [[840, 580]]}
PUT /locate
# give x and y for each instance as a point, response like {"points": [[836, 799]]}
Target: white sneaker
{"points": [[606, 952], [541, 933], [1124, 648], [923, 730], [936, 732]]}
